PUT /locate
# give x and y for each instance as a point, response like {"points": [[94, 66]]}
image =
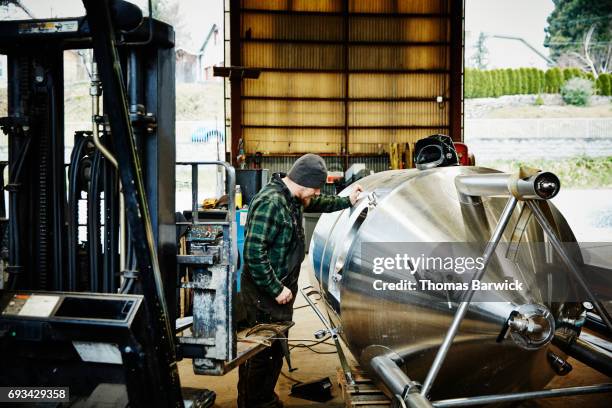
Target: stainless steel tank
{"points": [[409, 326]]}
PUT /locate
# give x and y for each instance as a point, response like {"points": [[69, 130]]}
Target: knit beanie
{"points": [[309, 171]]}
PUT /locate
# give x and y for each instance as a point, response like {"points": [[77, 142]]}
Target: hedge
{"points": [[497, 82]]}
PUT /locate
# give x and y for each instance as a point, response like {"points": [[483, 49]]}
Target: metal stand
{"points": [[332, 331], [462, 310], [521, 396]]}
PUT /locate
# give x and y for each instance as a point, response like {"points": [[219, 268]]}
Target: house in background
{"points": [[76, 65], [198, 66], [210, 54], [186, 66]]}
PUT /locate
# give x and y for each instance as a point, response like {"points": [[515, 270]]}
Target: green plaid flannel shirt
{"points": [[269, 231]]}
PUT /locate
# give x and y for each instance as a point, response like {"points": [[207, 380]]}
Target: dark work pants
{"points": [[257, 378]]}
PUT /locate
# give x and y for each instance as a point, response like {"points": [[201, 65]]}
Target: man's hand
{"points": [[284, 297], [355, 194]]}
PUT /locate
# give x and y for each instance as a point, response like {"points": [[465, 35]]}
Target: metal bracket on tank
{"points": [[331, 330]]}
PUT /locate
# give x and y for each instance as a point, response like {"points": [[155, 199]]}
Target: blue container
{"points": [[241, 216]]}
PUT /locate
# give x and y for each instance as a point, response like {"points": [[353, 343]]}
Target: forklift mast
{"points": [[99, 297]]}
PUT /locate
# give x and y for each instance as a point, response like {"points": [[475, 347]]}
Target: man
{"points": [[273, 252]]}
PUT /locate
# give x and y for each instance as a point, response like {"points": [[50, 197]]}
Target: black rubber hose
{"points": [[93, 222], [14, 178], [73, 207], [111, 228]]}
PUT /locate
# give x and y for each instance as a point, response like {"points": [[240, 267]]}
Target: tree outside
{"points": [[579, 32]]}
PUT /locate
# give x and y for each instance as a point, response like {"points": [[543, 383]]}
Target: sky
{"points": [[518, 18]]}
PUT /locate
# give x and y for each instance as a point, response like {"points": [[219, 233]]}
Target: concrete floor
{"points": [[312, 366]]}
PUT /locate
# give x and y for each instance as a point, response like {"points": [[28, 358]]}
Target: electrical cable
{"points": [[316, 351], [287, 376]]}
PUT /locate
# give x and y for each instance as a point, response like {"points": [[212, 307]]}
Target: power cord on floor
{"points": [[316, 343], [287, 376]]}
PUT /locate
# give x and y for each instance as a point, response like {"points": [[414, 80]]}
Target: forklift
{"points": [[97, 296]]}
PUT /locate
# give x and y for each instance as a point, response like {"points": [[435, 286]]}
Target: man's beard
{"points": [[306, 201]]}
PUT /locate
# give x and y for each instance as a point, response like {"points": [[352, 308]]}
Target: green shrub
{"points": [[468, 83], [488, 84], [578, 73], [540, 81], [604, 84], [549, 81], [519, 79], [577, 91], [539, 101], [508, 81], [497, 83], [534, 81], [529, 85], [473, 74], [554, 80], [528, 81]]}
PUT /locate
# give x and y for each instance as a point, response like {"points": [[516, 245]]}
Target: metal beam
{"points": [[399, 127], [339, 99], [235, 84], [346, 63], [342, 42], [341, 13], [354, 71], [456, 70]]}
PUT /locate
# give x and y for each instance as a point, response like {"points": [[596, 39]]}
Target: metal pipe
{"points": [[194, 193], [398, 382], [591, 355], [571, 265], [230, 181], [333, 333], [594, 323], [122, 232], [542, 186], [95, 92], [462, 309], [584, 350], [520, 396]]}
